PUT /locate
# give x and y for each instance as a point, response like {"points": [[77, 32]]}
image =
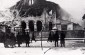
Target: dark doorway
{"points": [[39, 26], [23, 26], [31, 25], [50, 26], [63, 27]]}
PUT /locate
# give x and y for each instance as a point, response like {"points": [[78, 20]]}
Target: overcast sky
{"points": [[74, 7]]}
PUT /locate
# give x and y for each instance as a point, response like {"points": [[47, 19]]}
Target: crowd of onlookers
{"points": [[56, 35], [23, 38], [9, 38]]}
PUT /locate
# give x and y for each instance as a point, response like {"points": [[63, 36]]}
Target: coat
{"points": [[63, 34], [56, 36]]}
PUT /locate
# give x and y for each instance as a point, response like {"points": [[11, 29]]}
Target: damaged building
{"points": [[40, 11]]}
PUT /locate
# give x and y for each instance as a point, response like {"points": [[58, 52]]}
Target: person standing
{"points": [[12, 40], [50, 38], [62, 38], [19, 39], [27, 39], [56, 37]]}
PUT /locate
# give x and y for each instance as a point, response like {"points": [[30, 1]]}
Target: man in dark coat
{"points": [[9, 39], [62, 38], [33, 37], [19, 39], [6, 38], [12, 40], [27, 39], [56, 38], [50, 38]]}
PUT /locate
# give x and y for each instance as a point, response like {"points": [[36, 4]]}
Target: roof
{"points": [[64, 22], [36, 9]]}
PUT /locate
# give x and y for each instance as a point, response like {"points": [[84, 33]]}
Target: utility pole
{"points": [[84, 26], [45, 18]]}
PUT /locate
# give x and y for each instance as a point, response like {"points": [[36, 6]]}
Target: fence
{"points": [[70, 35]]}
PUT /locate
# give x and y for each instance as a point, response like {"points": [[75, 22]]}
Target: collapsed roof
{"points": [[36, 9]]}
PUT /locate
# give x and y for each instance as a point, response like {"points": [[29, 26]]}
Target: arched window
{"points": [[39, 25], [23, 25], [50, 25], [31, 25]]}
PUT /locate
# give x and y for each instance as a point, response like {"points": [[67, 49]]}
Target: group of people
{"points": [[56, 35], [53, 36], [9, 39], [25, 37]]}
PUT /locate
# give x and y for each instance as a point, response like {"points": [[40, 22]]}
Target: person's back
{"points": [[62, 35], [62, 38], [56, 37], [50, 38], [19, 39], [27, 39], [12, 40], [27, 36]]}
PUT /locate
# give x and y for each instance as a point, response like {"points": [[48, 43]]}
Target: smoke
{"points": [[64, 14]]}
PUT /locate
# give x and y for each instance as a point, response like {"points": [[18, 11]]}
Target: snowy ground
{"points": [[72, 48]]}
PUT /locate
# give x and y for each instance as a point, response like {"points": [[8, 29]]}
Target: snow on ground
{"points": [[72, 48]]}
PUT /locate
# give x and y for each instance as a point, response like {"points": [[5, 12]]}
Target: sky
{"points": [[76, 8]]}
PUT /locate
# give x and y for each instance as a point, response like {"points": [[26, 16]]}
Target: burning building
{"points": [[37, 10]]}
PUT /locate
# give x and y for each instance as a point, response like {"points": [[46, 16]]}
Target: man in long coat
{"points": [[56, 37], [19, 39], [27, 39], [62, 38]]}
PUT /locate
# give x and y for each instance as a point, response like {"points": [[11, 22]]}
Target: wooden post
{"points": [[84, 26], [41, 39], [84, 35]]}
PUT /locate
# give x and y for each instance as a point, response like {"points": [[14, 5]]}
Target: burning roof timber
{"points": [[36, 9]]}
